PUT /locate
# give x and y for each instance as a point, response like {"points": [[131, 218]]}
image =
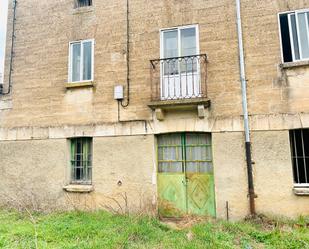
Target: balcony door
{"points": [[180, 70]]}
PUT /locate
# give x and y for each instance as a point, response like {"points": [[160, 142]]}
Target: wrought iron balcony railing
{"points": [[179, 77]]}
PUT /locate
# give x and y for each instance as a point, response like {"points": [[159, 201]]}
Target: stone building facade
{"points": [[178, 144]]}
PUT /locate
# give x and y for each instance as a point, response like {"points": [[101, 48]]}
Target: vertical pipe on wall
{"points": [[12, 49], [245, 109]]}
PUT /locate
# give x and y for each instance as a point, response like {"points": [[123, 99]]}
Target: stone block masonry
{"points": [[41, 113]]}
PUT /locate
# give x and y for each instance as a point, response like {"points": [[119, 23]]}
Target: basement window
{"points": [[81, 60], [81, 160], [82, 3], [294, 29], [299, 140]]}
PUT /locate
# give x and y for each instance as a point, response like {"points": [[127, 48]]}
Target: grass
{"points": [[105, 230]]}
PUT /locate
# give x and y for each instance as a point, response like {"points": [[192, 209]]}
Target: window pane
{"points": [[87, 60], [298, 143], [188, 48], [170, 153], [294, 36], [303, 35], [170, 43], [285, 38], [81, 159], [82, 3], [76, 60], [170, 49], [198, 153], [188, 41]]}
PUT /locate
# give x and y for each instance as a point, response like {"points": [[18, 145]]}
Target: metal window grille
{"points": [[81, 160], [82, 3], [185, 152], [299, 140], [179, 77]]}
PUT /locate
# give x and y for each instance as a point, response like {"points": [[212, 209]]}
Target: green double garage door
{"points": [[185, 175]]}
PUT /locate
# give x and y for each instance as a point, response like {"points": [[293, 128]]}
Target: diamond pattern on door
{"points": [[199, 194], [171, 195]]}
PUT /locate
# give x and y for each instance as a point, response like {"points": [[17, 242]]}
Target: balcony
{"points": [[179, 82]]}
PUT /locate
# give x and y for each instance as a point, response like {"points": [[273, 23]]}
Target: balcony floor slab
{"points": [[173, 104]]}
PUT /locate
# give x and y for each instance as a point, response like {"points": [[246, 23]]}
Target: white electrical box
{"points": [[118, 92]]}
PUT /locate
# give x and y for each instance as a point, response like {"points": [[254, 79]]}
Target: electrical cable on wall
{"points": [[12, 50], [128, 59]]}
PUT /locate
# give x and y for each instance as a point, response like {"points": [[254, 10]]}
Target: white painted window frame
{"points": [[301, 185], [81, 64], [178, 29], [179, 38], [296, 12]]}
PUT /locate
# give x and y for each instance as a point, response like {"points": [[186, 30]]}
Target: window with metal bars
{"points": [[82, 3], [81, 160], [300, 156], [185, 152]]}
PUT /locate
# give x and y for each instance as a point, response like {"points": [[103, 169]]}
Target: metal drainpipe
{"points": [[245, 110], [12, 50]]}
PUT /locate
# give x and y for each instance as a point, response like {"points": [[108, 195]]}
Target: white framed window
{"points": [[81, 61], [179, 41], [294, 32], [180, 63]]}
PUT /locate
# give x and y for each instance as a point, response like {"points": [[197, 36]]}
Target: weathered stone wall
{"points": [[124, 175], [43, 32], [270, 88], [125, 166], [274, 176], [41, 113], [230, 175], [34, 172]]}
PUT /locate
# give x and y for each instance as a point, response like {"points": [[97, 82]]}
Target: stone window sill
{"points": [[301, 191], [79, 84], [83, 10], [288, 65], [78, 188]]}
